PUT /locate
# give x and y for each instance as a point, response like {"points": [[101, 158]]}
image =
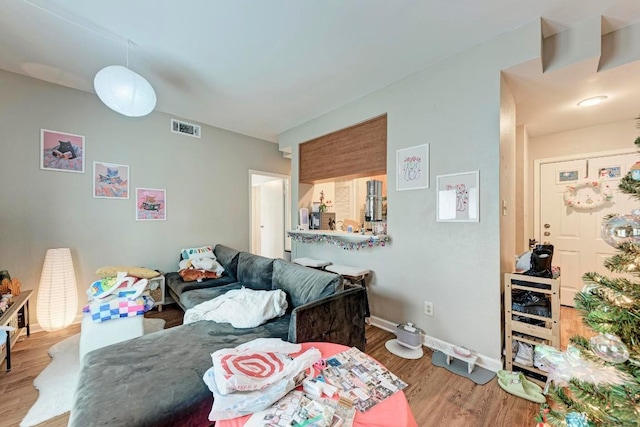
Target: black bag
{"points": [[541, 257], [530, 302]]}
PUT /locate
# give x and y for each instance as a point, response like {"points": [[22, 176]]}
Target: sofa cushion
{"points": [[303, 284], [179, 286], [192, 298], [255, 271], [228, 257], [124, 375]]}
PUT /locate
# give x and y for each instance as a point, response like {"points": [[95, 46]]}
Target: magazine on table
{"points": [[343, 414], [360, 379], [297, 409]]}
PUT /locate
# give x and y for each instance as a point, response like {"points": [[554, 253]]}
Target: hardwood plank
{"points": [[436, 396]]}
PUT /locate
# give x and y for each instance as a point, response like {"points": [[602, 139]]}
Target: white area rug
{"points": [[57, 382]]}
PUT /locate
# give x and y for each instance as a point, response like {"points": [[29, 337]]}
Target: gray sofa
{"points": [[156, 379]]}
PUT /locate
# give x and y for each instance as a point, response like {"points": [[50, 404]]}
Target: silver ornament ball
{"points": [[621, 229]]}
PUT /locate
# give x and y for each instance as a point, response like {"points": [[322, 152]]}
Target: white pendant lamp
{"points": [[57, 295], [124, 91]]}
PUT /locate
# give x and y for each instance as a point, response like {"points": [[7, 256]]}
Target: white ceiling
{"points": [[261, 67]]}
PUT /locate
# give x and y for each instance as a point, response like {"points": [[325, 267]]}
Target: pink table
{"points": [[394, 411]]}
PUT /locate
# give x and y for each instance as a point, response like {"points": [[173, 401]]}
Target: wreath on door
{"points": [[603, 195]]}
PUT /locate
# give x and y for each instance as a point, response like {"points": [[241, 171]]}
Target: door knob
{"points": [[546, 233], [547, 226]]}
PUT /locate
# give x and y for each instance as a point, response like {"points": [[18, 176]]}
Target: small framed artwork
{"points": [[412, 168], [610, 172], [60, 151], [567, 176], [151, 204], [110, 181], [458, 197]]}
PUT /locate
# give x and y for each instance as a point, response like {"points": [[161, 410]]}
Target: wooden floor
{"points": [[436, 396]]}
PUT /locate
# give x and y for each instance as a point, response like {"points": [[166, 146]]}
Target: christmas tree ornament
{"points": [[541, 418], [635, 171], [576, 419], [621, 229], [570, 364], [609, 348]]}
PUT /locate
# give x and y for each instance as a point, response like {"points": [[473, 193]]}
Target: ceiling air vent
{"points": [[178, 126]]}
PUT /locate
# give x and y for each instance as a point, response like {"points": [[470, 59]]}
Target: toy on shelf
{"points": [[10, 286]]}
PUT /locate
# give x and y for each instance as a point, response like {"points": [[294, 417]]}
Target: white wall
{"points": [[523, 188], [612, 136], [458, 107], [455, 107], [206, 181]]}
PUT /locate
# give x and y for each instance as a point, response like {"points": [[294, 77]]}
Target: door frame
{"points": [[536, 178], [287, 206]]}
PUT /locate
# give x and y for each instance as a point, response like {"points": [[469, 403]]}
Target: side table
{"points": [[13, 322], [158, 292]]}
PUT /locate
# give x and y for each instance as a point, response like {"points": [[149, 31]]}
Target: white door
{"points": [[576, 234], [270, 204], [272, 219], [344, 204]]}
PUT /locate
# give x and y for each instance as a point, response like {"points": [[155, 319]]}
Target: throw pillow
{"points": [[201, 252], [141, 272]]}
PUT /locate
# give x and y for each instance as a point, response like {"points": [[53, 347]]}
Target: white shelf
{"points": [[339, 238], [353, 237]]}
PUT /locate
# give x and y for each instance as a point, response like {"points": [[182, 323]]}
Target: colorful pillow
{"points": [[201, 252], [141, 272]]}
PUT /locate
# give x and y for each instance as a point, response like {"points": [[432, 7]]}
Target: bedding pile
{"points": [[243, 308]]}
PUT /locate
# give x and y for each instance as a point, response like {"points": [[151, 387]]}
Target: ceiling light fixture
{"points": [[589, 102], [124, 91]]}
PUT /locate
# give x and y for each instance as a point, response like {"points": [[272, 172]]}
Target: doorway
{"points": [[576, 232], [270, 205]]}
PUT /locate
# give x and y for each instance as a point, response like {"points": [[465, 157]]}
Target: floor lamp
{"points": [[57, 295]]}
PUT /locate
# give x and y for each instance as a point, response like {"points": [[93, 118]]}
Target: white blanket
{"points": [[243, 308]]}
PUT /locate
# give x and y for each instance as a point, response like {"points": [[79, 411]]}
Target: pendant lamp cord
{"points": [[84, 27]]}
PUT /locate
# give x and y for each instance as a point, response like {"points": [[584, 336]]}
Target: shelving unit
{"points": [[547, 332], [17, 316], [158, 292]]}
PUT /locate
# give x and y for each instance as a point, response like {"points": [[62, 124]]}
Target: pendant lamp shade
{"points": [[57, 295], [124, 91]]}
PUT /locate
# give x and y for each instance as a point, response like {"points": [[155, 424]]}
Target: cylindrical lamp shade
{"points": [[124, 91], [57, 294]]}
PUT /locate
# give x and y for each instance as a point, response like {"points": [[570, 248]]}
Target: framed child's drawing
{"points": [[110, 181], [412, 168], [60, 151], [458, 197], [151, 204]]}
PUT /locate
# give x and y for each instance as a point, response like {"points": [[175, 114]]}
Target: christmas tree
{"points": [[604, 384]]}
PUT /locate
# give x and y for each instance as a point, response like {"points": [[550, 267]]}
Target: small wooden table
{"points": [[14, 321]]}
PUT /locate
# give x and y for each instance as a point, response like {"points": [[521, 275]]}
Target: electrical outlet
{"points": [[428, 308]]}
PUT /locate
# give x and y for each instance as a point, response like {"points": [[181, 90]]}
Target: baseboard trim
{"points": [[36, 328], [435, 344]]}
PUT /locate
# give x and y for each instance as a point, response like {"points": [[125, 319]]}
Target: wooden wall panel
{"points": [[354, 152]]}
